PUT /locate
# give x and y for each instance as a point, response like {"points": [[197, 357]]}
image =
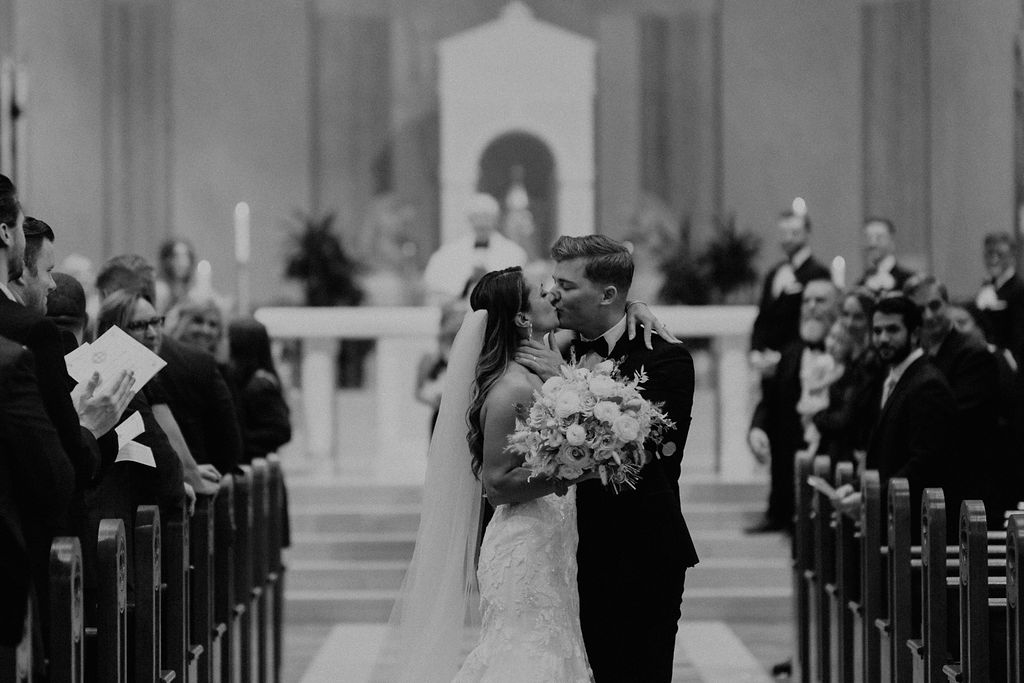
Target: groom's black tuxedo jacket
{"points": [[627, 535]]}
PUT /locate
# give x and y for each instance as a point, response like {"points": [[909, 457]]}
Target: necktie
{"points": [[887, 387], [598, 346]]}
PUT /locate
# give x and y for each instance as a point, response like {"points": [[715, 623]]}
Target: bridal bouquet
{"points": [[586, 419]]}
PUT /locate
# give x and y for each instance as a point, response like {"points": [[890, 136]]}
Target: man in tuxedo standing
{"points": [[776, 431], [1001, 298], [913, 437], [778, 314], [883, 273], [634, 546], [36, 280], [973, 375]]}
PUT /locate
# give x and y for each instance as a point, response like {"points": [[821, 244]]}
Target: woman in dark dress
{"points": [[262, 410]]}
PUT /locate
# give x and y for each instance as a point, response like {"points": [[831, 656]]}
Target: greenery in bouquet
{"points": [[587, 419]]}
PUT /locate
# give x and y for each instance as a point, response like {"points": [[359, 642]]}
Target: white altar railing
{"points": [[403, 334]]}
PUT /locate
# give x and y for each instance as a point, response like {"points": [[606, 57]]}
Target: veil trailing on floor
{"points": [[425, 634]]}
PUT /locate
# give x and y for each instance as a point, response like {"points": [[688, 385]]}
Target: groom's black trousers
{"points": [[630, 631]]}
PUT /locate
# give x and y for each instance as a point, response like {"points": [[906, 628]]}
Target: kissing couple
{"points": [[576, 582]]}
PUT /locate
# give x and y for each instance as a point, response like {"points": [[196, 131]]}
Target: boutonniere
{"points": [[880, 282], [987, 300]]}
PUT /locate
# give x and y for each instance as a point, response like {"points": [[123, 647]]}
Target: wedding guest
{"points": [[776, 431], [1001, 299], [972, 374], [66, 307], [85, 426], [778, 316], [176, 270], [914, 434], [262, 409], [466, 258], [37, 484], [883, 273], [846, 423], [822, 384], [197, 393], [199, 323], [36, 279]]}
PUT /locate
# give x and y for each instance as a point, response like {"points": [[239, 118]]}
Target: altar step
{"points": [[352, 543]]}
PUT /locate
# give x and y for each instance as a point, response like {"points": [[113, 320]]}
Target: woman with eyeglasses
{"points": [[134, 313]]}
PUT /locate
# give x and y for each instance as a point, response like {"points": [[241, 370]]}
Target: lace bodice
{"points": [[528, 596]]}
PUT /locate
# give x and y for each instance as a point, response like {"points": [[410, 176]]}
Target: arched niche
{"points": [[532, 157], [518, 76]]}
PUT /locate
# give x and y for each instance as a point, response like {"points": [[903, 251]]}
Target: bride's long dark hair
{"points": [[503, 294]]}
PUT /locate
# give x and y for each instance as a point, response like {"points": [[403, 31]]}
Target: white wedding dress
{"points": [[528, 596]]}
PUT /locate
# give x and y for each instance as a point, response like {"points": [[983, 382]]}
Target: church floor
{"points": [[706, 651]]}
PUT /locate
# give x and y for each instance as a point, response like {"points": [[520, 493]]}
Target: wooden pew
{"points": [[67, 620], [930, 651], [868, 608], [180, 654], [111, 631], [895, 629], [148, 598], [843, 586], [822, 569], [244, 627], [16, 661], [802, 555], [1015, 599], [225, 616], [201, 535], [978, 609], [260, 566], [275, 566]]}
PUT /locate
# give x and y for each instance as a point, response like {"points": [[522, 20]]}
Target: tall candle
{"points": [[204, 278], [242, 229], [839, 272]]}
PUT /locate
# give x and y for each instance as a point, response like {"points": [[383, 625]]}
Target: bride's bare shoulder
{"points": [[515, 386]]}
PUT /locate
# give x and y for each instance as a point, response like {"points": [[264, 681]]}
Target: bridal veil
{"points": [[426, 630]]}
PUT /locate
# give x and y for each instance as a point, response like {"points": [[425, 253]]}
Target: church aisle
{"points": [[352, 542]]}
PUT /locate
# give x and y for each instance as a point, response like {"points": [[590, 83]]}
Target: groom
{"points": [[634, 547]]}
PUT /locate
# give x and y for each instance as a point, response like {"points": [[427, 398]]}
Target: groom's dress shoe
{"points": [[766, 526]]}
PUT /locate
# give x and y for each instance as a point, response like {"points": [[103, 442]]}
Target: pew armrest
{"points": [[916, 647], [882, 625], [195, 652], [954, 673], [167, 675]]}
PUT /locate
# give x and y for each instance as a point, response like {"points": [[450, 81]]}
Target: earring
{"points": [[529, 329]]}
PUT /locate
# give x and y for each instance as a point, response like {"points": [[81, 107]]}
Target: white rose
{"points": [[567, 404], [602, 385], [605, 367], [626, 428], [606, 411], [576, 434], [552, 385]]}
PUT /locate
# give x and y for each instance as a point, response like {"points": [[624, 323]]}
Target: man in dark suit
{"points": [[36, 485], [1001, 298], [973, 375], [195, 389], [778, 314], [913, 437], [776, 431], [882, 272], [634, 547], [97, 408]]}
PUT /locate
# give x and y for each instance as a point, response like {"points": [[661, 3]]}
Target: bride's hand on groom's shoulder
{"points": [[539, 358]]}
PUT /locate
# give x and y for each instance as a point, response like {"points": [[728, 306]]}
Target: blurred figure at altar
{"points": [[391, 276], [464, 259], [1000, 301], [432, 366], [175, 273]]}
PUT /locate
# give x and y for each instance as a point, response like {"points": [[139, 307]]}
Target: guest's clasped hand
{"points": [[99, 410], [849, 501]]}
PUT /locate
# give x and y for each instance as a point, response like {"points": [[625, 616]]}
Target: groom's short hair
{"points": [[608, 261]]}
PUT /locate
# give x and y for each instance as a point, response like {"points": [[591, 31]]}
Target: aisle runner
{"points": [[706, 652]]}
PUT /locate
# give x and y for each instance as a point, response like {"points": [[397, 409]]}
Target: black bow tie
{"points": [[598, 346], [816, 346]]}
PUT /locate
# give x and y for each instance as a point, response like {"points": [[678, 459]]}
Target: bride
{"points": [[527, 562]]}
